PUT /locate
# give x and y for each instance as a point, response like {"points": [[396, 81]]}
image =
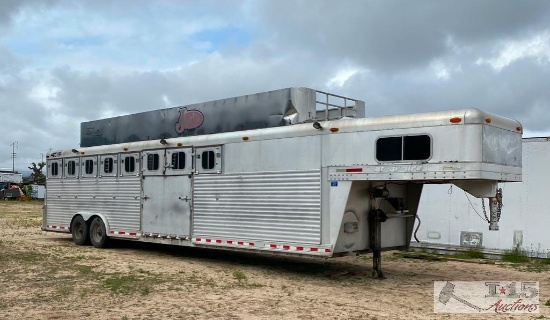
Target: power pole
{"points": [[14, 145]]}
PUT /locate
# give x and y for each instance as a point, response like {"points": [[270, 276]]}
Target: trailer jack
{"points": [[376, 217], [495, 210]]}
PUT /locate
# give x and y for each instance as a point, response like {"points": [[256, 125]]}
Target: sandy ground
{"points": [[45, 276]]}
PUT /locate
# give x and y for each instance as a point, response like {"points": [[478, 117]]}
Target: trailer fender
{"points": [[89, 215]]}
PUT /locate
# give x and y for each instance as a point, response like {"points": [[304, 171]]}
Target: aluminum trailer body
{"points": [[452, 220], [325, 189]]}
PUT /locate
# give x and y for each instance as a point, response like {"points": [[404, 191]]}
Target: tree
{"points": [[37, 176]]}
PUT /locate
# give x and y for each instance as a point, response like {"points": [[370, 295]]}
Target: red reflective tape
{"points": [[273, 246], [299, 248], [229, 242], [314, 249], [133, 234], [208, 240], [240, 243], [251, 244], [218, 241], [354, 170], [327, 250], [285, 247], [198, 239], [112, 232], [122, 232]]}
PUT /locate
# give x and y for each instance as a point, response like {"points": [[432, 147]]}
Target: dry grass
{"points": [[45, 276]]}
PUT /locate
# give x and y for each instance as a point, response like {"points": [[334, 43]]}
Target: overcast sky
{"points": [[64, 62]]}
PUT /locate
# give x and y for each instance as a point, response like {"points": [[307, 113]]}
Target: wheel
{"points": [[80, 231], [98, 233]]}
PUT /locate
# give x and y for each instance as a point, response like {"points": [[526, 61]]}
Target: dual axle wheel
{"points": [[93, 231]]}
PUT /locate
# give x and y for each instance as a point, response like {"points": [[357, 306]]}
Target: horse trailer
{"points": [[313, 182]]}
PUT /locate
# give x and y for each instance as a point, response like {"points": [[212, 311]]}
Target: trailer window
{"points": [[153, 161], [389, 149], [54, 169], [129, 164], [108, 165], [71, 168], [89, 166], [178, 160], [208, 160], [416, 147], [403, 148]]}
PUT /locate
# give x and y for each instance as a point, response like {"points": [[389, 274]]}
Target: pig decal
{"points": [[189, 120]]}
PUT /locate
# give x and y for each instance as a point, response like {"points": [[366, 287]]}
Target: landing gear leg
{"points": [[376, 217]]}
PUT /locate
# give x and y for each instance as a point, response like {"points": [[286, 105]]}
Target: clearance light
{"points": [[334, 129], [354, 170], [245, 138], [455, 120], [518, 129], [179, 144], [488, 120], [82, 152], [125, 149]]}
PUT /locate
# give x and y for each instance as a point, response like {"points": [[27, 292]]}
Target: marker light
{"points": [[455, 120]]}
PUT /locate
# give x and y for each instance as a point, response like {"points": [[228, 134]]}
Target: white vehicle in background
{"points": [[10, 176], [316, 185]]}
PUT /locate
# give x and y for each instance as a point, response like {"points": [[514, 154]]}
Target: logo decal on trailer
{"points": [[334, 183], [189, 120]]}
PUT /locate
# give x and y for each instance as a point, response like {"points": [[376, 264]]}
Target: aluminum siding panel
{"points": [[282, 206], [118, 199]]}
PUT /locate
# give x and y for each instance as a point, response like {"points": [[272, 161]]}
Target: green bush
{"points": [[515, 256]]}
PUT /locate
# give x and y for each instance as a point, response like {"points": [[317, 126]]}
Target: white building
{"points": [[451, 219]]}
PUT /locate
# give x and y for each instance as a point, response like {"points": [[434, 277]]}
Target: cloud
{"points": [[64, 62], [537, 46], [392, 35]]}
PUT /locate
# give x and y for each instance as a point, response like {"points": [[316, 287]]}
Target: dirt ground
{"points": [[45, 276]]}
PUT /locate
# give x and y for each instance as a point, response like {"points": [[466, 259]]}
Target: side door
{"points": [[167, 176]]}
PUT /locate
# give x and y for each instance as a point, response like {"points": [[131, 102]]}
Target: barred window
{"points": [[89, 166], [54, 169], [129, 164], [153, 161], [178, 160], [208, 160], [71, 168], [108, 165]]}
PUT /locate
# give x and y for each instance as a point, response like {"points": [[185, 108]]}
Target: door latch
{"points": [[186, 198]]}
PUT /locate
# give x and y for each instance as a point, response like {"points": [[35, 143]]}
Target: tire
{"points": [[80, 231], [98, 233]]}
